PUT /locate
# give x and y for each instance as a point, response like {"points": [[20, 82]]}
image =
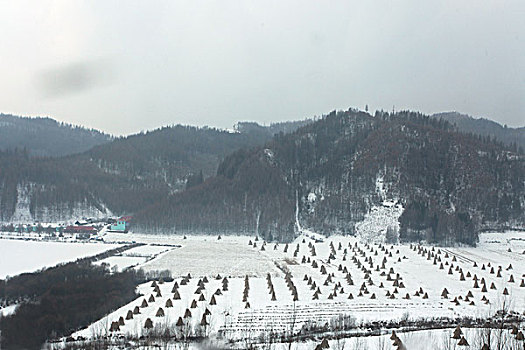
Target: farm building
{"points": [[122, 224]]}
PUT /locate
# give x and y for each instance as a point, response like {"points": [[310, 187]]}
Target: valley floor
{"points": [[357, 285], [24, 255]]}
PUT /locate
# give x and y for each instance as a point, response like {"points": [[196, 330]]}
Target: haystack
{"points": [[148, 324]]}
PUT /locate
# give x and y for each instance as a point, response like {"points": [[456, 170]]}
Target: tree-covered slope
{"points": [[47, 137], [513, 137], [119, 177], [326, 174]]}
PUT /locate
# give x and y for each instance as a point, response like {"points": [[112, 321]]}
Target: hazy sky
{"points": [[126, 66]]}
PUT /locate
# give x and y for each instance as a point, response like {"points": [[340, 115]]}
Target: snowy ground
{"points": [[420, 340], [203, 255], [408, 286], [376, 223], [135, 257], [7, 310], [18, 256], [439, 339]]}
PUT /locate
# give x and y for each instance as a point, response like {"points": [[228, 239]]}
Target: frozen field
{"points": [[135, 257], [18, 256], [121, 263], [204, 255], [340, 276]]}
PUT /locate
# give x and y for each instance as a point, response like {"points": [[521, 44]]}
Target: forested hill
{"points": [[272, 129], [328, 176], [46, 136], [119, 177], [513, 137]]}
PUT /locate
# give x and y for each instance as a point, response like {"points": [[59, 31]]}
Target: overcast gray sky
{"points": [[126, 66]]}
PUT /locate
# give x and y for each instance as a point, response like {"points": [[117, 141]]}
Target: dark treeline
{"points": [[254, 128], [512, 137], [73, 296], [46, 137], [124, 175], [452, 184], [28, 286]]}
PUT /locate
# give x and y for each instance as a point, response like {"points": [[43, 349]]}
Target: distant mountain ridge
{"points": [[118, 177], [332, 174], [272, 129], [340, 173], [45, 137], [514, 137]]}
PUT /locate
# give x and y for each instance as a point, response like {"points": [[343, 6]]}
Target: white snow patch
{"points": [[134, 257], [269, 153], [120, 263], [380, 187], [19, 256], [375, 224], [22, 213], [204, 255], [7, 310]]}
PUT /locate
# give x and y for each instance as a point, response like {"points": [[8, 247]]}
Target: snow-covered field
{"points": [[18, 256], [203, 255], [439, 339], [121, 263], [367, 281], [135, 257]]}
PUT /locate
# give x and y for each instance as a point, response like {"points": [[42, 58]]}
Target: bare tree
{"points": [[292, 326], [502, 312]]}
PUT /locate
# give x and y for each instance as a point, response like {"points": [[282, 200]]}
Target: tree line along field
{"points": [[311, 287]]}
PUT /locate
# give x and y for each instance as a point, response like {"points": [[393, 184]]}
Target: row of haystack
{"points": [[201, 285], [246, 292], [338, 290], [314, 287], [458, 335], [291, 286], [432, 253], [306, 260], [115, 325], [271, 289]]}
